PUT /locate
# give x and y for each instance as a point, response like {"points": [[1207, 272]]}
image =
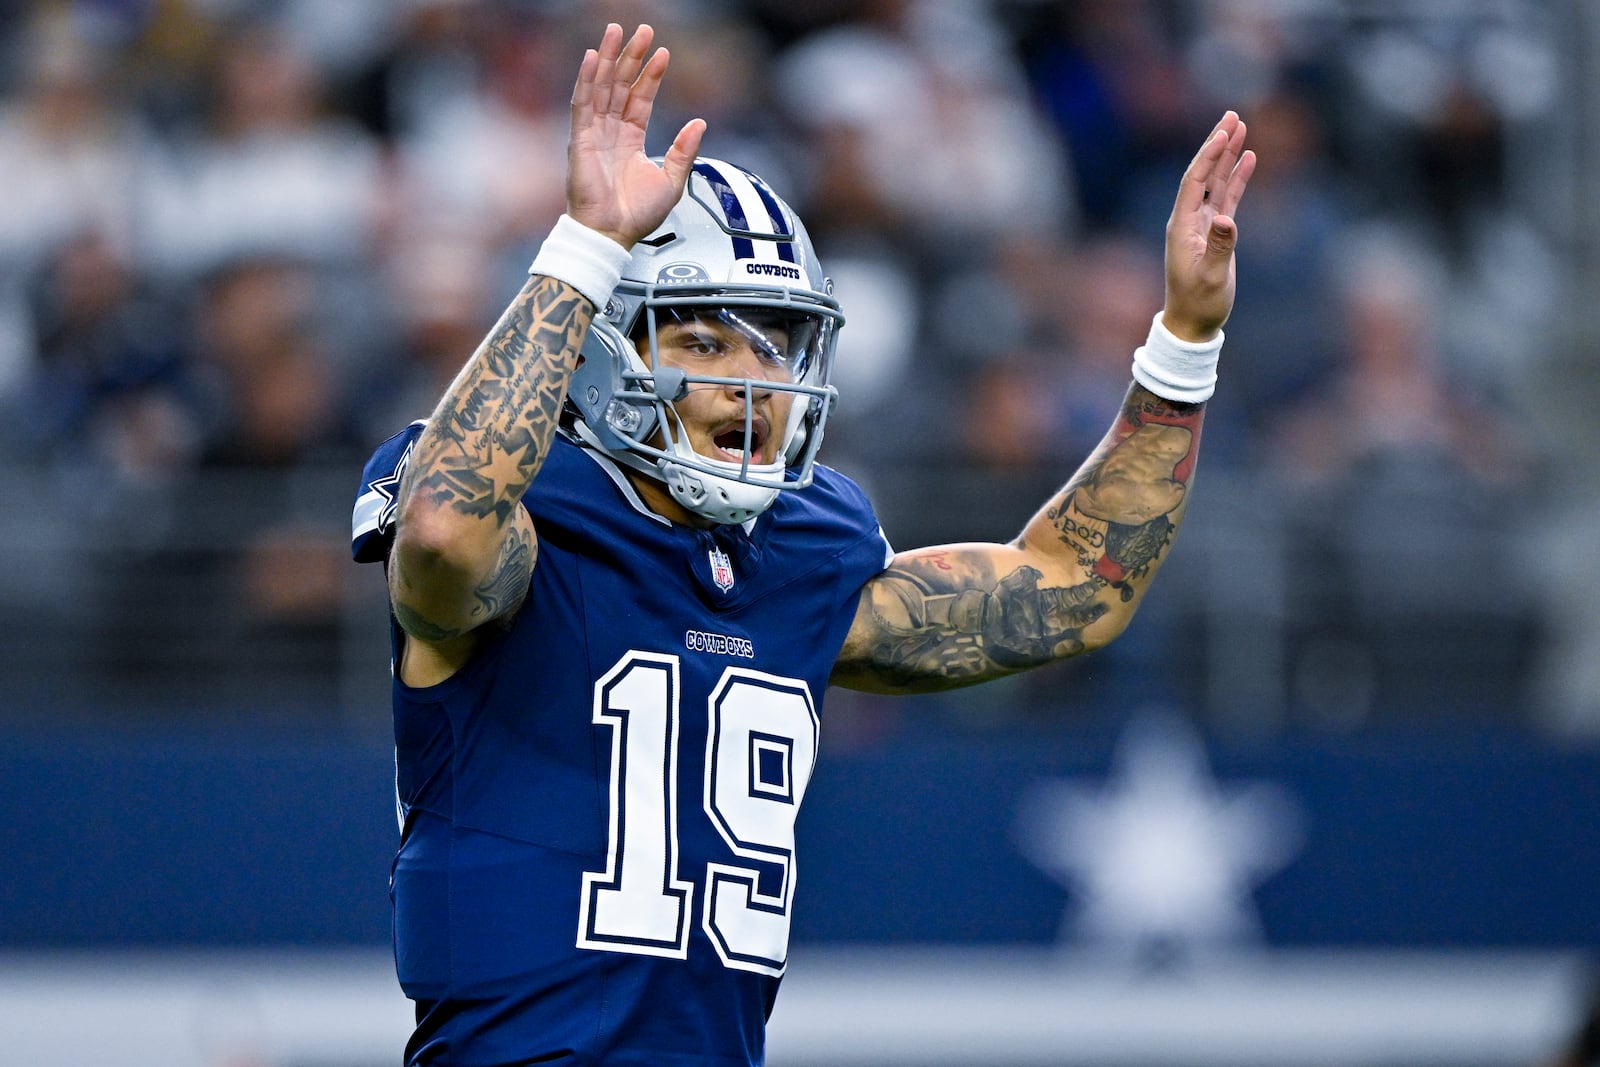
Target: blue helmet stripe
{"points": [[732, 210], [780, 225], [738, 221]]}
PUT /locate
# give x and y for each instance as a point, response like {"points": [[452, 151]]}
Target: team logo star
{"points": [[388, 487], [1161, 860]]}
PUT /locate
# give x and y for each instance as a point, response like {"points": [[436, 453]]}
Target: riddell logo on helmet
{"points": [[772, 270]]}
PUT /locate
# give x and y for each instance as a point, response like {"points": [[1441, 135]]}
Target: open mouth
{"points": [[732, 444]]}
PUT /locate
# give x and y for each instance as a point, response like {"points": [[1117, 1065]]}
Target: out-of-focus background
{"points": [[1333, 800]]}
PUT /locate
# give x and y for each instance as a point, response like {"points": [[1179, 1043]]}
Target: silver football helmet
{"points": [[733, 252]]}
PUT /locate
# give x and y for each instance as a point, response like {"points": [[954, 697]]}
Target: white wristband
{"points": [[585, 259], [1184, 371]]}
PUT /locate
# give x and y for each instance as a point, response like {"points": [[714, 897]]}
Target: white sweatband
{"points": [[585, 259], [1184, 371]]}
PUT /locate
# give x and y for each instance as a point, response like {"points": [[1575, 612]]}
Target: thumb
{"points": [[1222, 237], [679, 158]]}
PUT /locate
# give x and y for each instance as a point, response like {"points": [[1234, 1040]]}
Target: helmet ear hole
{"points": [[603, 389], [807, 413]]}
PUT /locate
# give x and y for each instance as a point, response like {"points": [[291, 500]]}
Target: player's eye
{"points": [[697, 340]]}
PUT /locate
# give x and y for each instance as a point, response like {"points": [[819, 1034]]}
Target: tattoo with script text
{"points": [[492, 431]]}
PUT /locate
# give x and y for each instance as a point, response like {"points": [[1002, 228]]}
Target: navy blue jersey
{"points": [[597, 858]]}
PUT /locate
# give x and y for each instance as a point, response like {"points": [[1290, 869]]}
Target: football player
{"points": [[621, 585]]}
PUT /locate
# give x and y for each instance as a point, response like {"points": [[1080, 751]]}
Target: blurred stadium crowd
{"points": [[244, 240]]}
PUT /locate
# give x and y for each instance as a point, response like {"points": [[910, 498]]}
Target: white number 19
{"points": [[761, 745]]}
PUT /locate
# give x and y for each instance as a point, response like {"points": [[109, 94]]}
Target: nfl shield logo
{"points": [[721, 569]]}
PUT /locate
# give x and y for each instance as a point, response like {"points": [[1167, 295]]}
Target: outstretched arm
{"points": [[465, 546], [938, 618]]}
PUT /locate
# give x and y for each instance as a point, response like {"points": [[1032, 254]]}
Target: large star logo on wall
{"points": [[1161, 860]]}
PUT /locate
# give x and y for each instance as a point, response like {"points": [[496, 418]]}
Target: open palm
{"points": [[1201, 233], [612, 186]]}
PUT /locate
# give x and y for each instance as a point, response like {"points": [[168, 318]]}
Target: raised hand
{"points": [[1201, 233], [612, 186]]}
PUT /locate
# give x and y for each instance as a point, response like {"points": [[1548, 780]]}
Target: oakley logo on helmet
{"points": [[683, 274]]}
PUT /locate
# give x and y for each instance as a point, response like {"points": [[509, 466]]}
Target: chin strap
{"points": [[622, 456], [711, 496]]}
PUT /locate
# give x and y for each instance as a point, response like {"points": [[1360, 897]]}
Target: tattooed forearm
{"points": [[493, 429], [1119, 514], [464, 548], [939, 621], [948, 617]]}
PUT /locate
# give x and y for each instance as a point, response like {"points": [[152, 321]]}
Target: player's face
{"points": [[736, 344]]}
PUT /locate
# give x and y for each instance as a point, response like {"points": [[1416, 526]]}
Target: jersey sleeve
{"points": [[372, 519], [873, 552]]}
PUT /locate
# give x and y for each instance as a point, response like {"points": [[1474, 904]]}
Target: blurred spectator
{"points": [[269, 172], [482, 146], [444, 294], [1080, 313], [897, 197], [1282, 344], [1432, 103], [1394, 391], [786, 22], [431, 68], [1109, 76], [1408, 496], [962, 152], [113, 388], [276, 398], [723, 80], [68, 152], [245, 566]]}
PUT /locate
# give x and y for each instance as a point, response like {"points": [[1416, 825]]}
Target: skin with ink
{"points": [[943, 618], [492, 432]]}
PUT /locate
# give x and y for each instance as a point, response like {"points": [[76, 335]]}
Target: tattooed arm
{"points": [[945, 617], [939, 618], [464, 544]]}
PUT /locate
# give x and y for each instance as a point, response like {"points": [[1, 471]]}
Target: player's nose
{"points": [[744, 363]]}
